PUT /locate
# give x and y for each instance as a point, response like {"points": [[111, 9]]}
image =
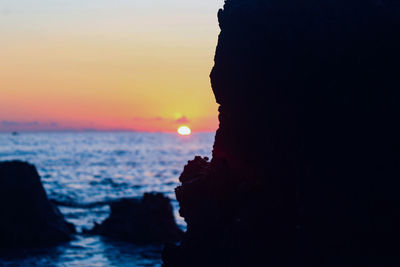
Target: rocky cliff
{"points": [[306, 159], [27, 217]]}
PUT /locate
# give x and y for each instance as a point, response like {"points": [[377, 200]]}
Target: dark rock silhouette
{"points": [[148, 220], [28, 218], [306, 160]]}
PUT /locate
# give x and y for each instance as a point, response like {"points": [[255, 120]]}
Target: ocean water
{"points": [[84, 171]]}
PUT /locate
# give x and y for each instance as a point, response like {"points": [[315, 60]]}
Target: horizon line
{"points": [[92, 130]]}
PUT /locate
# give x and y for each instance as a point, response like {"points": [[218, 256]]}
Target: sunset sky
{"points": [[107, 64]]}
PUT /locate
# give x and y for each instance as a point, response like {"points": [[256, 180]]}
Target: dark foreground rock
{"points": [[306, 160], [147, 220], [27, 217]]}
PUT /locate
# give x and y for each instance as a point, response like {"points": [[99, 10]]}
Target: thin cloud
{"points": [[18, 124], [182, 119], [7, 125], [149, 119]]}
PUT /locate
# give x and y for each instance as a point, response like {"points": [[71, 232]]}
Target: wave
{"points": [[88, 205]]}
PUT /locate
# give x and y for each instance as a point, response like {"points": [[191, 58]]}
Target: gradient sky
{"points": [[107, 64]]}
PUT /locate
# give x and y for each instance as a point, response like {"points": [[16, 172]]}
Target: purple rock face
{"points": [[28, 218], [306, 159]]}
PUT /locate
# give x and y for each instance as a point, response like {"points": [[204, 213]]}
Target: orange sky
{"points": [[121, 64]]}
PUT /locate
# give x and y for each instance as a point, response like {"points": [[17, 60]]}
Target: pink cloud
{"points": [[183, 119]]}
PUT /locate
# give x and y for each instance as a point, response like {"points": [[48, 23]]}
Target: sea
{"points": [[84, 171]]}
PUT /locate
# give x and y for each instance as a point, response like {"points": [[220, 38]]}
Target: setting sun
{"points": [[184, 130]]}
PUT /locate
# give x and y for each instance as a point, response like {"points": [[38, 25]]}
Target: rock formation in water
{"points": [[27, 217], [306, 159], [148, 220]]}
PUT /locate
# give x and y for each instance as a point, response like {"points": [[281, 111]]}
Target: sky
{"points": [[107, 64]]}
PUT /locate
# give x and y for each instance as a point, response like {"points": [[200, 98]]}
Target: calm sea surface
{"points": [[84, 170]]}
